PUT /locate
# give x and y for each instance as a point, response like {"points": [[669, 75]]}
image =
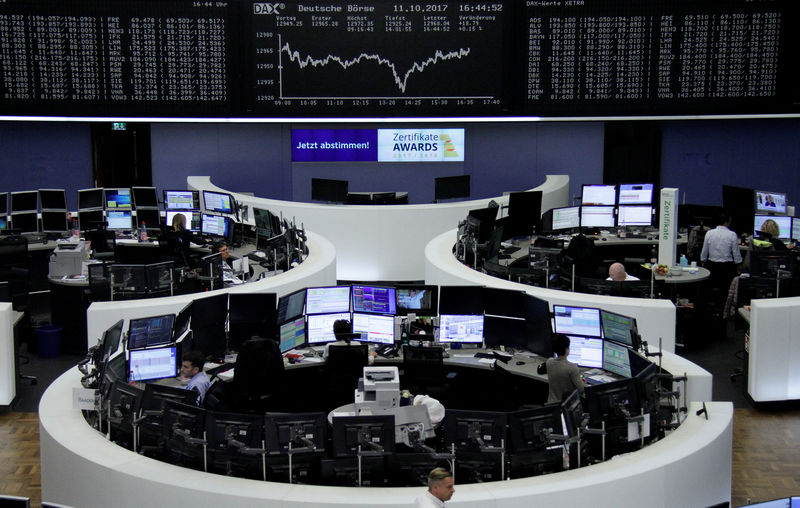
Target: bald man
{"points": [[616, 272]]}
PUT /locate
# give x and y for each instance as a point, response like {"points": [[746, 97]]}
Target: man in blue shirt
{"points": [[192, 369]]}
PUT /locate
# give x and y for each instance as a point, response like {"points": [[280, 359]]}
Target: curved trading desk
{"points": [[382, 242], [318, 269], [689, 467]]}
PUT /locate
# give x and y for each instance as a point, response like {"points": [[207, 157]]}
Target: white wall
{"points": [[773, 372]]}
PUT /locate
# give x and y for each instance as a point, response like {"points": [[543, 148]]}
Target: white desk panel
{"points": [[8, 371], [774, 351]]}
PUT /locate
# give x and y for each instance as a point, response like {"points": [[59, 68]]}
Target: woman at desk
{"points": [[563, 376], [184, 238]]}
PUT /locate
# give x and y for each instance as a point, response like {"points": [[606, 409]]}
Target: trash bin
{"points": [[48, 338]]}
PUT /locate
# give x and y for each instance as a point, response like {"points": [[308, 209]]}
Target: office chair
{"points": [[14, 288], [99, 282], [345, 366], [258, 377], [103, 242], [423, 370]]}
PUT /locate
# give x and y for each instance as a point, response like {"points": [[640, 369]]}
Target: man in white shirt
{"points": [[616, 272], [440, 489], [721, 254]]}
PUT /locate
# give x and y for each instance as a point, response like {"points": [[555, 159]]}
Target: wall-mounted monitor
{"points": [[420, 300], [181, 200], [89, 199], [599, 195], [329, 191], [374, 299], [451, 187], [53, 199], [616, 359], [24, 201], [324, 300], [461, 328], [54, 222], [319, 328], [193, 219], [119, 219], [215, 225], [586, 351], [292, 334], [374, 328], [767, 201], [784, 223], [144, 197], [25, 222], [118, 199], [154, 363], [576, 320], [566, 218], [150, 331], [597, 216], [218, 202], [634, 215], [635, 194]]}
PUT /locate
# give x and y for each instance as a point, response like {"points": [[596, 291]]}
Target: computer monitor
{"points": [[366, 433], [124, 402], [150, 331], [616, 359], [119, 219], [3, 203], [566, 218], [619, 328], [604, 403], [586, 351], [230, 436], [3, 222], [795, 228], [374, 328], [156, 396], [292, 334], [465, 329], [181, 322], [524, 213], [502, 331], [144, 197], [451, 187], [770, 202], [634, 215], [54, 222], [486, 219], [324, 300], [576, 320], [300, 432], [218, 202], [185, 200], [474, 430], [784, 224], [738, 202], [597, 216], [153, 363], [215, 225], [24, 201], [90, 199], [189, 421], [211, 269], [291, 306], [529, 429], [537, 324], [329, 191], [319, 329], [599, 195], [208, 323], [635, 194], [91, 219], [374, 299], [503, 302], [461, 299], [252, 308], [109, 343], [263, 220], [118, 199], [25, 222], [148, 216], [417, 299], [193, 219], [53, 199]]}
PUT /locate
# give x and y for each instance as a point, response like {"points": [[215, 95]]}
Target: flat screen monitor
{"points": [[634, 215], [3, 203], [291, 306], [597, 216], [24, 201], [770, 202], [619, 328], [149, 216], [319, 329], [586, 351], [193, 219], [524, 213], [616, 359], [420, 300], [144, 197], [53, 199], [118, 199], [486, 219], [528, 428], [25, 222], [451, 187], [181, 323], [369, 433], [796, 228], [263, 220], [566, 218], [374, 299], [150, 331], [503, 302], [252, 308], [91, 219], [304, 432], [111, 339], [54, 222], [466, 329], [461, 300], [181, 200], [3, 222], [576, 320], [89, 199], [329, 191], [324, 300], [599, 195], [374, 328], [503, 331], [215, 225], [119, 219], [218, 202], [635, 194], [736, 202], [292, 334], [468, 429], [784, 224], [537, 324], [153, 363]]}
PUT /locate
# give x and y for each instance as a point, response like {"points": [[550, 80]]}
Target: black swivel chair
{"points": [[258, 377], [103, 243], [345, 365]]}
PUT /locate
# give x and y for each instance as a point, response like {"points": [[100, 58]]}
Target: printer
{"points": [[68, 257]]}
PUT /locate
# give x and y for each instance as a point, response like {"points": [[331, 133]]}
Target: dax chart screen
{"points": [[345, 57]]}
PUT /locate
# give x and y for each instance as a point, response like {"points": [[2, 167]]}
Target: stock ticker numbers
{"points": [[139, 57], [351, 57]]}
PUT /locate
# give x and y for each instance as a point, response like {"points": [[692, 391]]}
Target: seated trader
{"points": [[192, 369], [343, 331], [184, 238], [769, 236], [440, 489], [563, 376], [721, 254], [616, 272], [227, 258]]}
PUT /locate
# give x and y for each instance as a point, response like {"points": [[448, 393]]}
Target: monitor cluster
{"points": [[607, 206], [43, 210]]}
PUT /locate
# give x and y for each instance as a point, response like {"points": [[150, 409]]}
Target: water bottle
{"points": [[143, 232], [653, 256], [683, 261]]}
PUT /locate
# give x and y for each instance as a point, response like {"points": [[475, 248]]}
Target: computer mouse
{"points": [[520, 362], [603, 239]]}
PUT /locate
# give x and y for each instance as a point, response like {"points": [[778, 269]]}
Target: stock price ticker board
{"points": [[551, 58]]}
